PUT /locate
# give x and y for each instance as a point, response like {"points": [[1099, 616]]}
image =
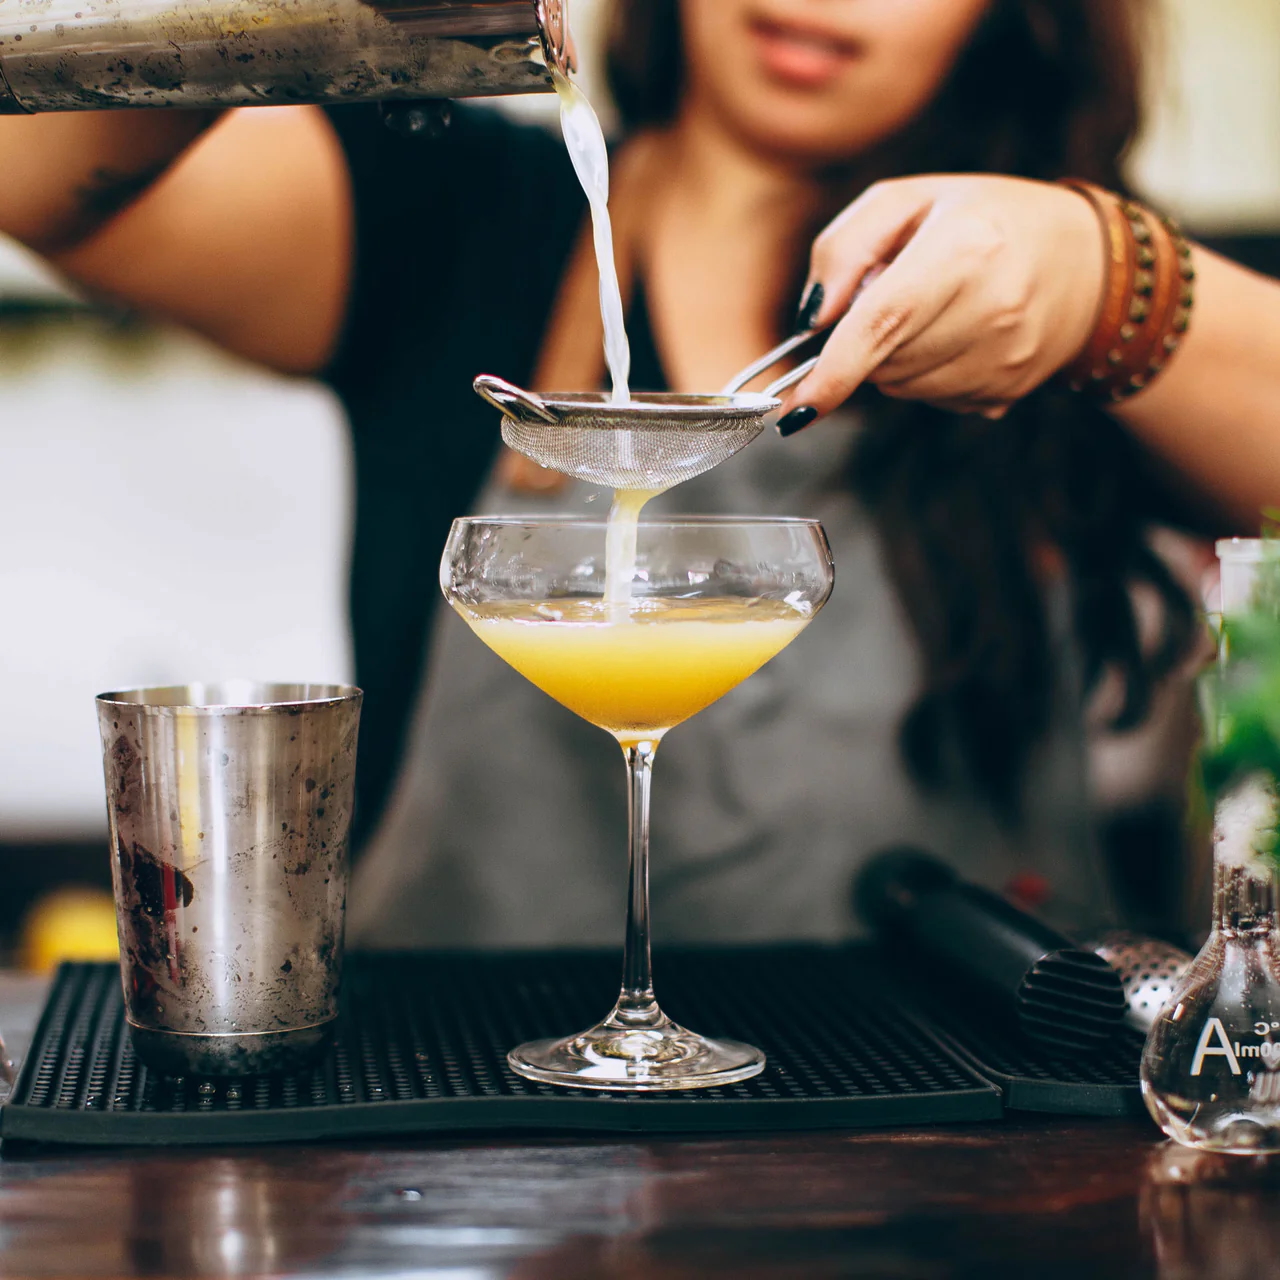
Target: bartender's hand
{"points": [[966, 291]]}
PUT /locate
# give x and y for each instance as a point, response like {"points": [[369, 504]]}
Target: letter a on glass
{"points": [[1223, 1049]]}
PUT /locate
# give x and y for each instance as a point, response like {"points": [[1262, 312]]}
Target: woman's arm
{"points": [[989, 286], [1215, 411], [239, 228], [66, 175]]}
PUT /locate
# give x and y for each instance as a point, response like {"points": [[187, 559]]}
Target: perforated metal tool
{"points": [[650, 443], [1148, 968]]}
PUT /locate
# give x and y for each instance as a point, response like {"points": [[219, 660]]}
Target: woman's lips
{"points": [[805, 57]]}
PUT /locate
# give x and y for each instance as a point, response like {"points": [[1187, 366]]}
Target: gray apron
{"points": [[507, 826]]}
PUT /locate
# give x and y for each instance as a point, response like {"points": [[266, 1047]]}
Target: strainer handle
{"points": [[514, 401], [767, 361], [789, 380]]}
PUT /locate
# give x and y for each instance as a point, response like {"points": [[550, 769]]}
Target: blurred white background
{"points": [[168, 514], [1211, 154]]}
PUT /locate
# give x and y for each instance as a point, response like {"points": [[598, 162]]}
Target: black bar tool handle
{"points": [[967, 936]]}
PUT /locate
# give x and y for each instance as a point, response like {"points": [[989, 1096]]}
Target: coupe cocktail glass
{"points": [[711, 601]]}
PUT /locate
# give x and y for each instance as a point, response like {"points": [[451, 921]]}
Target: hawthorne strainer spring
{"points": [[650, 443]]}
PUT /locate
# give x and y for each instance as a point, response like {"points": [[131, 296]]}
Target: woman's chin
{"points": [[805, 133]]}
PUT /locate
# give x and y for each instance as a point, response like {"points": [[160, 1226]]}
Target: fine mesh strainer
{"points": [[650, 443]]}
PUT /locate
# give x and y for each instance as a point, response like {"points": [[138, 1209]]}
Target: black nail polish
{"points": [[796, 420], [810, 305]]}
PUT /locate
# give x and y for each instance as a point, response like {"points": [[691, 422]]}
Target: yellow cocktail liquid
{"points": [[640, 674]]}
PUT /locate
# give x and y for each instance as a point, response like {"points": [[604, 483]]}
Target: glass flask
{"points": [[1211, 1067]]}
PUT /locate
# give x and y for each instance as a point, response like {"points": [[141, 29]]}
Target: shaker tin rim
{"points": [[222, 697]]}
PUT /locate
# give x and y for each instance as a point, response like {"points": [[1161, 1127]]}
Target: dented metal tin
{"points": [[229, 809], [76, 55]]}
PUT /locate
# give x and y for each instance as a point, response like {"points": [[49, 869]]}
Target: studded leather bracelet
{"points": [[1146, 298]]}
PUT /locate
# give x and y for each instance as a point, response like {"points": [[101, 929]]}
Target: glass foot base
{"points": [[650, 1058]]}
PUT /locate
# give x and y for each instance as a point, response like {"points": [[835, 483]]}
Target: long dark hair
{"points": [[978, 517]]}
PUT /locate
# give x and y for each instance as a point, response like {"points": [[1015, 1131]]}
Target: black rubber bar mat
{"points": [[423, 1040], [1032, 1078]]}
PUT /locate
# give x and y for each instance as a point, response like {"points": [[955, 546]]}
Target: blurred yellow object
{"points": [[69, 924]]}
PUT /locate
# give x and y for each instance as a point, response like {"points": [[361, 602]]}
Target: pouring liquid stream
{"points": [[584, 140], [621, 537]]}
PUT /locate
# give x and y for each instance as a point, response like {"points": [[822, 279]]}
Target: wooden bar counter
{"points": [[1032, 1196]]}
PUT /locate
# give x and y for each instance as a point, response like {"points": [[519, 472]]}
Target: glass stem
{"points": [[636, 1005]]}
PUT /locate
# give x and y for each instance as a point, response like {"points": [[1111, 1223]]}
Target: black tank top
{"points": [[460, 245]]}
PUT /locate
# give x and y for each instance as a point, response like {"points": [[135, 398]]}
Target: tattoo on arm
{"points": [[98, 185], [105, 193], [108, 191]]}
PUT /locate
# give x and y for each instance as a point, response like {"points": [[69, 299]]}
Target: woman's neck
{"points": [[714, 172], [724, 235]]}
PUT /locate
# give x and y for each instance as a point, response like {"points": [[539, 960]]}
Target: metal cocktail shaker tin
{"points": [[229, 809], [85, 55]]}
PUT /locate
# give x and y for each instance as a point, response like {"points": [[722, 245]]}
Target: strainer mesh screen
{"points": [[643, 454]]}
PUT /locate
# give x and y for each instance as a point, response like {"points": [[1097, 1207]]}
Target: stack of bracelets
{"points": [[1146, 298]]}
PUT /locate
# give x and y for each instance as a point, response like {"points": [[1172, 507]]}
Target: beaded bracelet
{"points": [[1146, 298]]}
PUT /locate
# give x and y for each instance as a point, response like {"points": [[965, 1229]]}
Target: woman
{"points": [[401, 268]]}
